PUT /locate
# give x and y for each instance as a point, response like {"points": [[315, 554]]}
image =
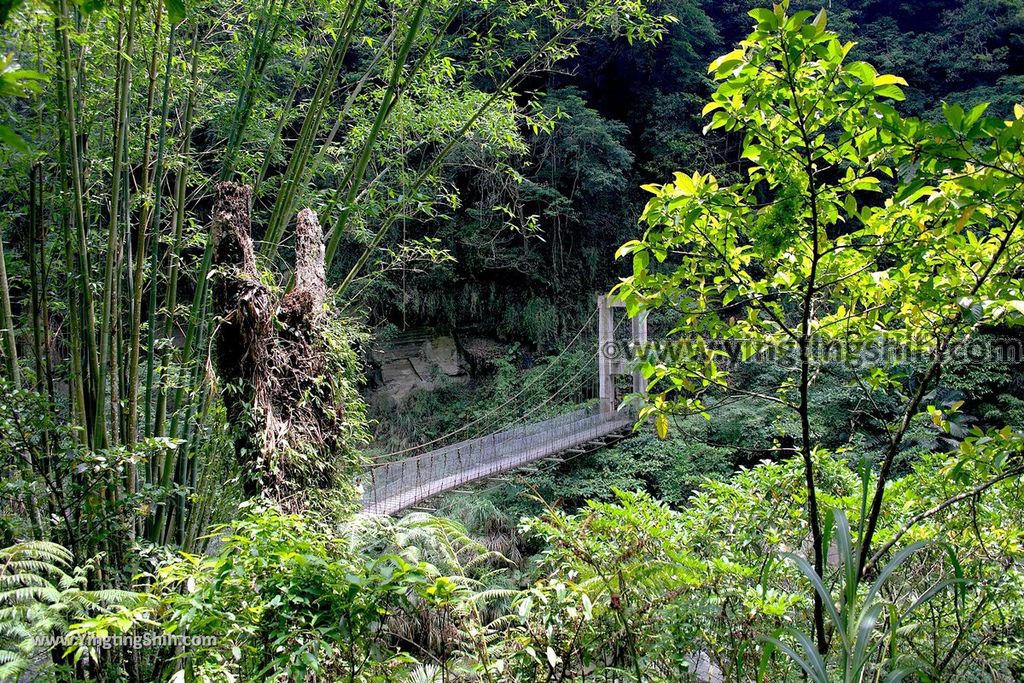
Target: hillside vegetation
{"points": [[219, 217]]}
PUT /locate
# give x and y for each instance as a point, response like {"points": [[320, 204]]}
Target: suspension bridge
{"points": [[495, 443]]}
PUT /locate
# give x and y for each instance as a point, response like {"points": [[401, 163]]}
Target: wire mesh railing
{"points": [[397, 485]]}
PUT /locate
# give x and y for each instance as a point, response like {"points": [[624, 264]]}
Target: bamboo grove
{"points": [[124, 116]]}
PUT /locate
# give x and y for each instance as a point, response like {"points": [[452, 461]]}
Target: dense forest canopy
{"points": [[225, 225]]}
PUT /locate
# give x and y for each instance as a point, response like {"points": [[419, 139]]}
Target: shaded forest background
{"points": [[526, 273], [632, 115]]}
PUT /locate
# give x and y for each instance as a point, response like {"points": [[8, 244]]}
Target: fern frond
{"points": [[45, 593], [43, 551], [494, 594]]}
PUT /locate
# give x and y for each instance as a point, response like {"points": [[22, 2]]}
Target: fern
{"points": [[42, 594], [27, 572]]}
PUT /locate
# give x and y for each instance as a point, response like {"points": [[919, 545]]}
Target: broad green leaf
{"points": [[954, 114], [889, 79], [732, 58], [765, 18], [710, 107], [684, 184], [12, 139], [661, 426], [863, 71], [892, 92], [821, 20], [175, 10]]}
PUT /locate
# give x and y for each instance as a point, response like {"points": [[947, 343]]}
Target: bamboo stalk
{"points": [[385, 108], [154, 256], [180, 424], [346, 109], [284, 205], [74, 223], [113, 360], [110, 303], [37, 292], [11, 355], [140, 249], [7, 321], [256, 63], [335, 234], [40, 277], [275, 140], [154, 269], [174, 258]]}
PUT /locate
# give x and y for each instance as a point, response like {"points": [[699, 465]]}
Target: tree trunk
{"points": [[271, 359]]}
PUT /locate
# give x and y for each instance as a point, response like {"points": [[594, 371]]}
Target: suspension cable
{"points": [[565, 385]]}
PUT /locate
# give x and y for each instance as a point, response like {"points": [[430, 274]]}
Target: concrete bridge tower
{"points": [[612, 358]]}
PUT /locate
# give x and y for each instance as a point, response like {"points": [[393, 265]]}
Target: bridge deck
{"points": [[398, 485]]}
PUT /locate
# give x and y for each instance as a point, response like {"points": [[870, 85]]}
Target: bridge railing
{"points": [[397, 484]]}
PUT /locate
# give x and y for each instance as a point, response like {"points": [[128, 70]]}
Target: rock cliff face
{"points": [[420, 360]]}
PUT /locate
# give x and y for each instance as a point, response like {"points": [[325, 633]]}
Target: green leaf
{"points": [[954, 114], [661, 426], [765, 18], [974, 114], [820, 21], [888, 79], [863, 71], [710, 107], [628, 248], [12, 139], [175, 10], [893, 92], [684, 184], [798, 19], [727, 60], [1016, 305], [641, 259]]}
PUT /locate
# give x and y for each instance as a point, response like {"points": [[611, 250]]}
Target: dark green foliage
{"points": [[951, 50], [670, 470], [530, 244], [634, 115]]}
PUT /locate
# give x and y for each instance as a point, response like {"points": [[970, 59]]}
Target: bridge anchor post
{"points": [[605, 355], [611, 360]]}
